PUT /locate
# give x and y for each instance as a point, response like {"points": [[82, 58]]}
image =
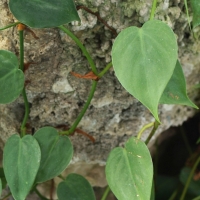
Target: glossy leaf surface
{"points": [[75, 187], [11, 78], [129, 171], [44, 13], [144, 60], [21, 160], [56, 153], [175, 92], [196, 12]]}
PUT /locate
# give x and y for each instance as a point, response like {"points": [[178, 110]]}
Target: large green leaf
{"points": [[196, 12], [11, 78], [21, 161], [175, 91], [144, 60], [44, 13], [56, 153], [75, 187], [129, 171]]}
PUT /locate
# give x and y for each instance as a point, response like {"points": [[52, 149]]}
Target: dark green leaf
{"points": [[75, 187], [175, 92], [129, 171], [196, 12], [165, 186], [144, 60], [44, 13], [21, 160], [56, 153], [194, 186], [11, 78], [0, 187], [3, 178]]}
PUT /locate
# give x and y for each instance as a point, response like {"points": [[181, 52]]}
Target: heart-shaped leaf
{"points": [[21, 161], [75, 187], [175, 91], [44, 13], [129, 171], [144, 60], [11, 78], [196, 12], [56, 153]]}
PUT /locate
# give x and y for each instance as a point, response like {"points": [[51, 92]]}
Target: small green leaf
{"points": [[75, 187], [56, 153], [175, 92], [196, 12], [11, 78], [21, 161], [44, 13], [129, 171], [144, 60], [194, 186]]}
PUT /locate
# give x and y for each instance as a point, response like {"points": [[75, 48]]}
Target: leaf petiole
{"points": [[9, 26], [78, 42]]}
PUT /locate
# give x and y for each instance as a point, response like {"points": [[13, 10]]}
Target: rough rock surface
{"points": [[56, 97]]}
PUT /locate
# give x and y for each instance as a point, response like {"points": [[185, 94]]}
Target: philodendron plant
{"points": [[146, 63]]}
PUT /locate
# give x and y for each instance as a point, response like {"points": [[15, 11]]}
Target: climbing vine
{"points": [[145, 61]]}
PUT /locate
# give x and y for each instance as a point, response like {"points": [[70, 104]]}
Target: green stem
{"points": [[108, 66], [10, 25], [21, 39], [81, 114], [153, 9], [172, 197], [27, 110], [23, 126], [5, 197], [187, 13], [39, 194], [155, 127], [143, 129], [78, 42], [187, 145], [61, 177], [106, 192], [189, 178], [196, 198]]}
